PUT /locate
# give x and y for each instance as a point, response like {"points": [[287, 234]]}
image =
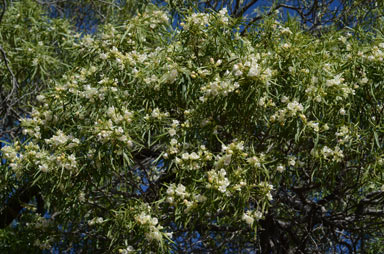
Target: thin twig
{"points": [[15, 84]]}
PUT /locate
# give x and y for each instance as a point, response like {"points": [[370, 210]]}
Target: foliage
{"points": [[314, 15], [34, 49], [199, 139], [88, 14]]}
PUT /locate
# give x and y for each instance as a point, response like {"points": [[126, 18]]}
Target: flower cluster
{"points": [[313, 125], [106, 131], [266, 188], [172, 130], [127, 250], [292, 109], [218, 87], [256, 161], [33, 155], [194, 160], [343, 135], [179, 194], [251, 215], [96, 220], [152, 226], [199, 20], [254, 67], [118, 117], [338, 84], [31, 126], [327, 153], [153, 18], [377, 53], [233, 149], [218, 180], [60, 139], [156, 115]]}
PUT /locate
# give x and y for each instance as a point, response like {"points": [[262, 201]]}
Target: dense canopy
{"points": [[153, 137]]}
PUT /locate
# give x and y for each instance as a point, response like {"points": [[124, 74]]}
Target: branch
{"points": [[244, 9], [15, 84], [270, 12]]}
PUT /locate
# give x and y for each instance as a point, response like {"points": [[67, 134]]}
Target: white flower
{"points": [[185, 156], [240, 146], [154, 221], [130, 143], [223, 185], [59, 139], [172, 76], [258, 215], [224, 17], [172, 132], [154, 235], [170, 190], [155, 113], [194, 156], [286, 46], [364, 80], [180, 190], [342, 112], [248, 219], [295, 106], [103, 56], [127, 250], [285, 30], [314, 125], [280, 168], [326, 151], [43, 168], [335, 81], [40, 98], [254, 161], [227, 159], [173, 141], [254, 71], [284, 99], [175, 123], [170, 200]]}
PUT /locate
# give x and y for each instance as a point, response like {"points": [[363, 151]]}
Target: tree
{"points": [[198, 139]]}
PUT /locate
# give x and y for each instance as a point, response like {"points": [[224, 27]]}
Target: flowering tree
{"points": [[198, 139]]}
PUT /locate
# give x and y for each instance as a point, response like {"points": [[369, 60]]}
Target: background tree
{"points": [[199, 139]]}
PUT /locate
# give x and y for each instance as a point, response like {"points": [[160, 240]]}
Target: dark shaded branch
{"points": [[245, 8], [13, 207]]}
